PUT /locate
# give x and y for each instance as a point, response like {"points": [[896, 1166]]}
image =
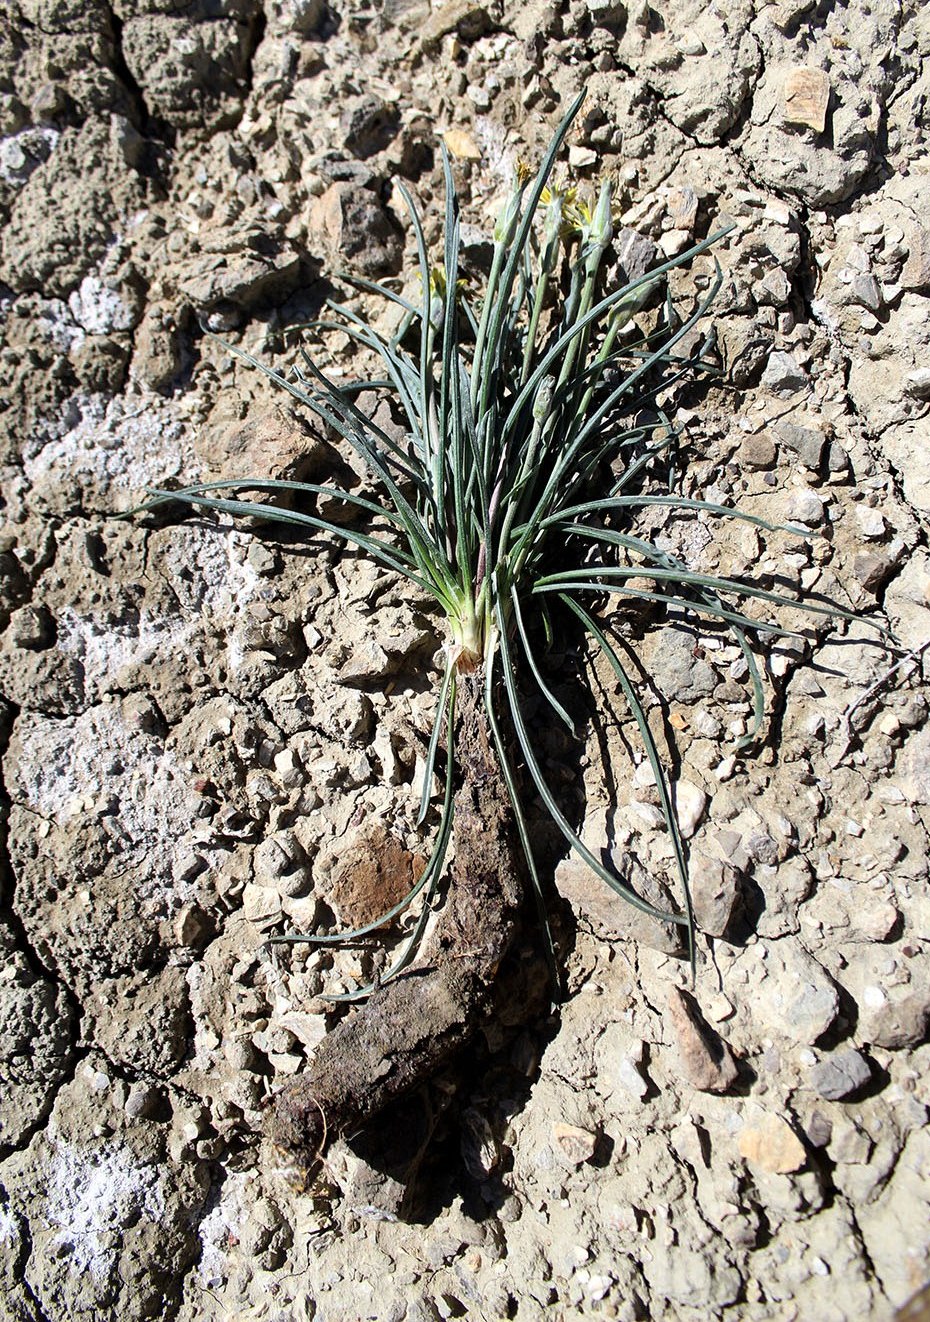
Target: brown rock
{"points": [[466, 17], [757, 451], [461, 145], [275, 444], [872, 569], [706, 1059], [806, 96], [577, 1145], [772, 1145], [372, 871], [243, 278]]}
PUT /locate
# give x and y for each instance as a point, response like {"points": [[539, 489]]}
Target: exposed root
{"points": [[411, 1026]]}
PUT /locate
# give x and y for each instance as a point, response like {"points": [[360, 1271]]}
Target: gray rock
{"points": [[35, 1042], [677, 672], [636, 254], [786, 886], [806, 507], [368, 125], [354, 226], [896, 1017], [807, 443], [783, 376], [477, 247], [191, 74], [22, 153], [796, 998], [838, 1075], [715, 890], [866, 291], [746, 351]]}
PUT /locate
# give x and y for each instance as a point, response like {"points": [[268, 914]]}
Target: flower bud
{"points": [[543, 401], [506, 226]]}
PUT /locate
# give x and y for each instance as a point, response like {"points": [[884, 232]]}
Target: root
{"points": [[411, 1026]]}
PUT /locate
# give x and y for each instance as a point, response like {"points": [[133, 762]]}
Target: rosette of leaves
{"points": [[533, 441]]}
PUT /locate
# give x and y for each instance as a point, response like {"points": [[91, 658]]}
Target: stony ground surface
{"points": [[207, 739]]}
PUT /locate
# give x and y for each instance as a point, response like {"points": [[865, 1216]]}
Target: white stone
{"points": [[806, 506], [871, 523], [580, 158], [690, 804]]}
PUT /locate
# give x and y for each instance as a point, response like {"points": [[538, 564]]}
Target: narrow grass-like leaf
{"points": [[652, 752]]}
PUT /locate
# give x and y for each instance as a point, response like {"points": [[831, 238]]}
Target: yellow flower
{"points": [[437, 281]]}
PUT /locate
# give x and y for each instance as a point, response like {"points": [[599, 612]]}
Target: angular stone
{"points": [[577, 1145], [611, 916], [354, 225], [899, 1018], [806, 98], [916, 273], [806, 443], [783, 376], [806, 507], [707, 1061], [795, 998], [690, 805], [261, 905], [714, 893], [580, 158], [461, 145], [772, 1145], [866, 291], [636, 254], [872, 569], [838, 1075]]}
